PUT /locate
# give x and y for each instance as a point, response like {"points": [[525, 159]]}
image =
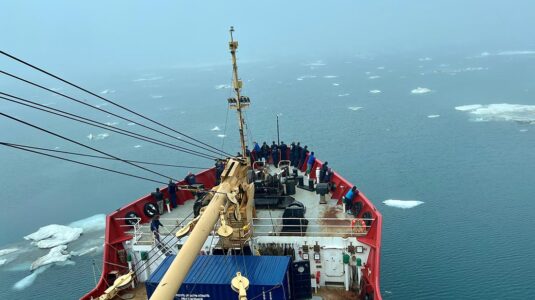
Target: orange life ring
{"points": [[358, 225]]}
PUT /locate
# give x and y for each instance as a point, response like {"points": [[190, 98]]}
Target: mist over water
{"points": [[427, 107]]}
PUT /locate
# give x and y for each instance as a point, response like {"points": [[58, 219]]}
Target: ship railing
{"points": [[132, 226], [142, 235], [338, 227]]}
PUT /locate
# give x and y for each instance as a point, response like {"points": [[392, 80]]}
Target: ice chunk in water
{"points": [[53, 235]]}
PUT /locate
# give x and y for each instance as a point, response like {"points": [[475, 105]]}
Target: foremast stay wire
{"points": [[103, 157], [83, 145], [105, 111], [91, 122], [105, 99], [79, 162]]}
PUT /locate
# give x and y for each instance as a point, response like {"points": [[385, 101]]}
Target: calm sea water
{"points": [[470, 239]]}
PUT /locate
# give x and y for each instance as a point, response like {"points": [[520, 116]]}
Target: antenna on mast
{"points": [[239, 102]]}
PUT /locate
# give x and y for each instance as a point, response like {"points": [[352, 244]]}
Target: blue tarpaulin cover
{"points": [[210, 276]]}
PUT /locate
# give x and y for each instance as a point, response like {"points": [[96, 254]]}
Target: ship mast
{"points": [[240, 102], [233, 200]]}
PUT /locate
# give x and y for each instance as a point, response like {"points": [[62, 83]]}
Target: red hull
{"points": [[115, 233]]}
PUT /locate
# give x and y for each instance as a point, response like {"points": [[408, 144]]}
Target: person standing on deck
{"points": [[274, 153], [310, 163], [293, 149], [356, 206], [323, 172], [256, 151], [348, 199], [155, 227], [158, 197], [328, 177], [219, 168], [171, 189], [302, 157], [265, 152], [190, 179], [284, 151]]}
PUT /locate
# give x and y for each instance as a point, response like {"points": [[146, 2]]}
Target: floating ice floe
{"points": [[523, 130], [29, 280], [468, 107], [318, 63], [222, 86], [380, 68], [433, 116], [101, 105], [374, 77], [354, 108], [53, 235], [112, 123], [156, 96], [131, 124], [343, 95], [516, 52], [336, 84], [8, 251], [402, 203], [107, 91], [300, 78], [148, 78], [137, 146], [519, 113], [375, 91], [507, 53], [98, 137], [221, 135], [55, 255], [471, 69], [420, 90], [330, 76], [425, 59], [216, 128]]}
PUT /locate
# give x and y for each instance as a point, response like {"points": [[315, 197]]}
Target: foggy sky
{"points": [[115, 34]]}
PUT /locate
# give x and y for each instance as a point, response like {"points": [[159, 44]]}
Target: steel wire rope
{"points": [[165, 244], [105, 111], [91, 122], [100, 97], [249, 130], [79, 162], [226, 117], [83, 145], [103, 157], [263, 292]]}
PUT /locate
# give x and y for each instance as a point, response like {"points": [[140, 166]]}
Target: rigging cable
{"points": [[107, 100], [103, 125], [103, 110], [104, 157], [80, 163], [226, 117], [85, 146], [163, 245]]}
